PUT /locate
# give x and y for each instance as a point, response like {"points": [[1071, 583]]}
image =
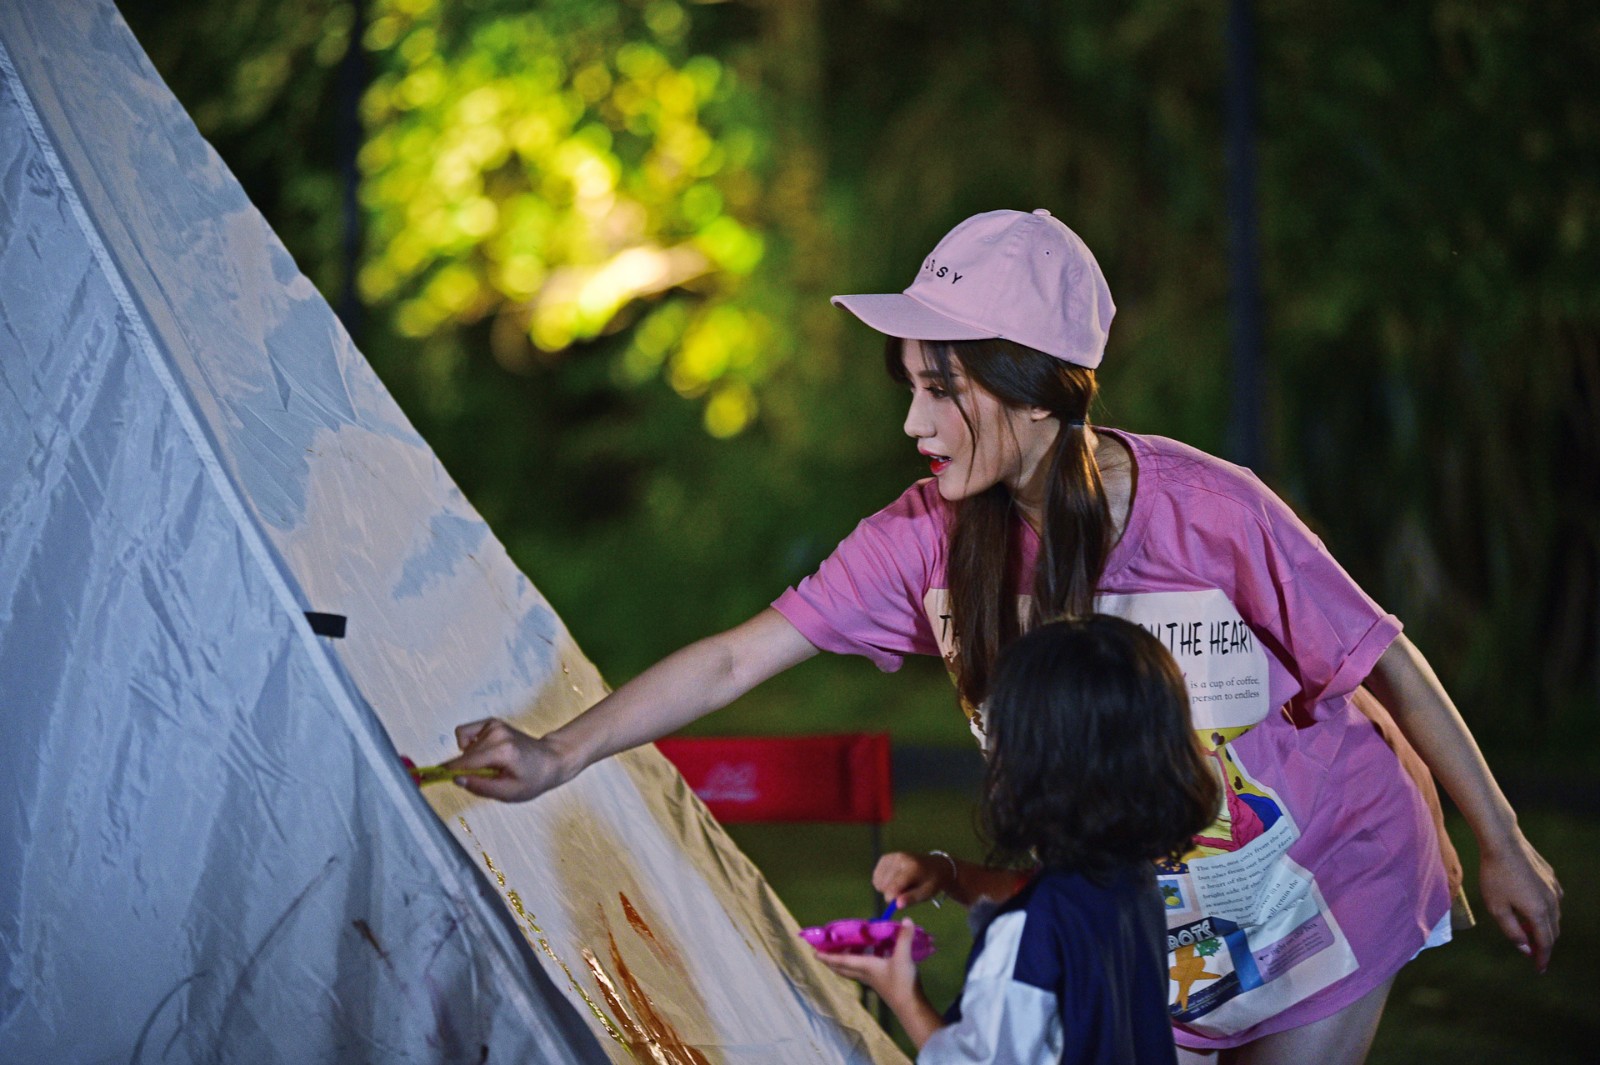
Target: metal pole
{"points": [[1245, 440], [352, 84]]}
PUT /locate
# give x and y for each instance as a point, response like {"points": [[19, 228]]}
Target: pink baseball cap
{"points": [[1002, 274]]}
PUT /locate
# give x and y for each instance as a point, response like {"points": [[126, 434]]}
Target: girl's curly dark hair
{"points": [[1093, 762]]}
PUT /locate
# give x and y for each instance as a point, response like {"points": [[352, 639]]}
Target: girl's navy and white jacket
{"points": [[1069, 971]]}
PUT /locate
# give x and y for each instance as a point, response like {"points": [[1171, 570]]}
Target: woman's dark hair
{"points": [[1077, 534], [1093, 762]]}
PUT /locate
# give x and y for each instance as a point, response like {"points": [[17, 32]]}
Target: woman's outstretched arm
{"points": [[686, 685], [1518, 886]]}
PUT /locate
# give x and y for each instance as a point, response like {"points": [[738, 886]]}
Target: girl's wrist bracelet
{"points": [[955, 872]]}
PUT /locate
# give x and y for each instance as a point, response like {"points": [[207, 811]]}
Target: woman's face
{"points": [[1010, 444]]}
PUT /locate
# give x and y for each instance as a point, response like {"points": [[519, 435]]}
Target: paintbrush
{"points": [[433, 774]]}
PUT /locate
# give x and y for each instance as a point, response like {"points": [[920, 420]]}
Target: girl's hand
{"points": [[894, 978], [1522, 893], [907, 879], [526, 766]]}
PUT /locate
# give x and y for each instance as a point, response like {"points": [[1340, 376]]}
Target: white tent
{"points": [[208, 847]]}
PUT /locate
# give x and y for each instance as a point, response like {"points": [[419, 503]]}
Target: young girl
{"points": [[1093, 774], [1323, 876]]}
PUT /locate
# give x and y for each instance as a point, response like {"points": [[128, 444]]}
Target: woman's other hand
{"points": [[1522, 893]]}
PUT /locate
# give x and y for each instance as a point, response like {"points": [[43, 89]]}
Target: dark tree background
{"points": [[600, 235]]}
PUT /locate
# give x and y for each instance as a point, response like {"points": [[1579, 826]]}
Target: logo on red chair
{"points": [[729, 782]]}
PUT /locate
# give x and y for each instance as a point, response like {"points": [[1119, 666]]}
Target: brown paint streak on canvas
{"points": [[653, 1038], [650, 1038], [535, 935], [662, 1033], [646, 933], [634, 1037]]}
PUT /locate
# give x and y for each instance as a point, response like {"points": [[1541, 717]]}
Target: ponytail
{"points": [[983, 609], [1077, 532]]}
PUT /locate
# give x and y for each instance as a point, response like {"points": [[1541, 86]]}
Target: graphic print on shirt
{"points": [[936, 605], [1240, 912], [1249, 809]]}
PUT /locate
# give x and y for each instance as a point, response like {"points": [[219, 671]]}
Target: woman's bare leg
{"points": [[1342, 1039]]}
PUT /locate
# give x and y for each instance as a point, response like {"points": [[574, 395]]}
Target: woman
{"points": [[1284, 943]]}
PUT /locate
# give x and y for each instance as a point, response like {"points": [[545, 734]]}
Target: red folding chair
{"points": [[834, 777], [839, 778]]}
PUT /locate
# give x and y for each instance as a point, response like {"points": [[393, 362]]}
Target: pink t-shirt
{"points": [[1321, 876]]}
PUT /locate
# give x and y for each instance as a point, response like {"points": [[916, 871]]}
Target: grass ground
{"points": [[1475, 1000]]}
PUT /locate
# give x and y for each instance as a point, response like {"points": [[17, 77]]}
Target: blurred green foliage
{"points": [[601, 234], [1434, 231], [257, 77], [568, 170]]}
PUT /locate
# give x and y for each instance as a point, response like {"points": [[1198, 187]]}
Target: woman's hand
{"points": [[526, 766], [1522, 893], [1519, 888], [907, 879]]}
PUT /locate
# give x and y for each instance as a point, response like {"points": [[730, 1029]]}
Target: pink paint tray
{"points": [[855, 935]]}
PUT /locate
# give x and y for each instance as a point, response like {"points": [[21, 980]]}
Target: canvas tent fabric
{"points": [[208, 847]]}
